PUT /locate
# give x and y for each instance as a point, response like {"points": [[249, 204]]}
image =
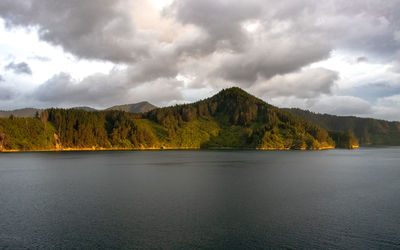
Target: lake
{"points": [[201, 199]]}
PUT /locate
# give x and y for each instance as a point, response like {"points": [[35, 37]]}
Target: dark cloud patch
{"points": [[269, 60], [100, 29], [361, 59], [1, 78], [220, 19], [368, 26], [160, 66], [362, 26], [19, 68]]}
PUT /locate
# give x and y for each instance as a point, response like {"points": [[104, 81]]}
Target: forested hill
{"points": [[139, 107], [230, 119], [25, 112], [369, 131], [234, 118]]}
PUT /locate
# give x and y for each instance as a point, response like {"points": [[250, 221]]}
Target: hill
{"points": [[26, 112], [235, 119], [89, 109], [230, 119], [367, 130], [140, 107]]}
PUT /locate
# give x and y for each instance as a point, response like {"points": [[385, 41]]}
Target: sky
{"points": [[335, 56]]}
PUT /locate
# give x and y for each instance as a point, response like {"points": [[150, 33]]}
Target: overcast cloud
{"points": [[164, 51]]}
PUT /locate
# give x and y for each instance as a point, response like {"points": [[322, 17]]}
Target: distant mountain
{"points": [[25, 112], [369, 131], [88, 109], [140, 107]]}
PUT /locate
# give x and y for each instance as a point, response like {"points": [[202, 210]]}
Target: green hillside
{"points": [[230, 119], [26, 134], [367, 130], [236, 119]]}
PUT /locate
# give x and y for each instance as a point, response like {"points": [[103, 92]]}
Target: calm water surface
{"points": [[201, 199]]}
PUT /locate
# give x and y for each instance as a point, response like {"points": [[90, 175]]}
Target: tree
{"points": [[44, 116]]}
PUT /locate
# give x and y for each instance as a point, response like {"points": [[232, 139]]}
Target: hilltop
{"points": [[25, 112], [139, 107]]}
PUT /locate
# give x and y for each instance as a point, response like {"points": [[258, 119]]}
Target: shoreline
{"points": [[160, 149]]}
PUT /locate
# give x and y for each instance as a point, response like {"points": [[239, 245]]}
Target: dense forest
{"points": [[26, 134], [367, 130], [230, 119]]}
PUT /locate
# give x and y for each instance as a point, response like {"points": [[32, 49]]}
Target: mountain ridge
{"points": [[139, 107]]}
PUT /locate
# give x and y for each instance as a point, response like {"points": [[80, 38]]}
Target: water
{"points": [[201, 199]]}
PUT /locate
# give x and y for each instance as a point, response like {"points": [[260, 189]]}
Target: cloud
{"points": [[303, 84], [162, 65], [373, 91], [269, 58], [221, 20], [342, 105], [40, 58], [287, 36], [100, 29], [389, 101], [6, 94], [19, 68], [387, 108], [1, 78], [361, 59], [360, 25], [104, 90]]}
